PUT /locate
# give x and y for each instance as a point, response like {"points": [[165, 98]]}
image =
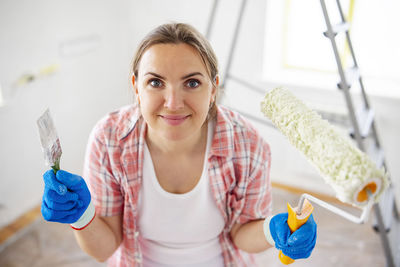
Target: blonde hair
{"points": [[177, 33]]}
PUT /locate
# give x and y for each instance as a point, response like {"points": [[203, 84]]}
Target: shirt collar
{"points": [[129, 120], [223, 139]]}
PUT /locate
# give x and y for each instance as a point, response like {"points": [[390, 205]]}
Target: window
{"points": [[297, 53]]}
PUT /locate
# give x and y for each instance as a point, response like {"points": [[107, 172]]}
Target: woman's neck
{"points": [[192, 144]]}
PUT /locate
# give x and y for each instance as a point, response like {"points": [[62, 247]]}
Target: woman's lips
{"points": [[174, 119]]}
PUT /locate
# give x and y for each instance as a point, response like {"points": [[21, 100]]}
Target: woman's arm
{"points": [[250, 236], [101, 237]]}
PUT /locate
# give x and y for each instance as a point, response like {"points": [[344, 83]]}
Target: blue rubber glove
{"points": [[66, 197], [297, 245]]}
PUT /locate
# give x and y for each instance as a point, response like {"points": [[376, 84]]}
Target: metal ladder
{"points": [[363, 128]]}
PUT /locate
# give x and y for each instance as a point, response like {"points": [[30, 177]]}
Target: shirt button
{"points": [[136, 234]]}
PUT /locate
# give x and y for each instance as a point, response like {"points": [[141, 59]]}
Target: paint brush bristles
{"points": [[50, 142]]}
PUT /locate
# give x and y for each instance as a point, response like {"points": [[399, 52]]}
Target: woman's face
{"points": [[174, 91]]}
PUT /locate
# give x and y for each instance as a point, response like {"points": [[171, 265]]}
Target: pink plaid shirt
{"points": [[239, 167]]}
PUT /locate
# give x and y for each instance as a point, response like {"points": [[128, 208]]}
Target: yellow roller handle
{"points": [[294, 222]]}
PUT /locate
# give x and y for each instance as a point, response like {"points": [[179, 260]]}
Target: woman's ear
{"points": [[135, 88], [216, 80], [215, 88], [134, 83]]}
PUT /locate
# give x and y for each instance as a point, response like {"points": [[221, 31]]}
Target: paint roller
{"points": [[353, 176]]}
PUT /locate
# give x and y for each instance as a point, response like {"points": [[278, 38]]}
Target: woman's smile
{"points": [[174, 120]]}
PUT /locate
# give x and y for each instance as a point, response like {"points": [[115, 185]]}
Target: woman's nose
{"points": [[173, 99]]}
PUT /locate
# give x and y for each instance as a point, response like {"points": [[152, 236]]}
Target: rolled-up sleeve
{"points": [[103, 184], [258, 196]]}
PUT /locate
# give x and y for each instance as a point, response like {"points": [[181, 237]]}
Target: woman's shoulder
{"points": [[234, 121], [118, 123], [234, 131]]}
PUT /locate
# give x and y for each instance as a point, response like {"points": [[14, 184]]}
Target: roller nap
{"points": [[343, 166]]}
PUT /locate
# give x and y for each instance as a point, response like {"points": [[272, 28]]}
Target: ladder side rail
{"points": [[331, 35], [347, 32], [363, 91], [211, 19], [384, 237], [233, 44], [377, 141], [345, 87], [353, 119]]}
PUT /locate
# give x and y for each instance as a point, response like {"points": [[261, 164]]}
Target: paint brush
{"points": [[50, 142]]}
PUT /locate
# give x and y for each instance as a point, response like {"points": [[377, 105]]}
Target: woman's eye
{"points": [[193, 84], [155, 83]]}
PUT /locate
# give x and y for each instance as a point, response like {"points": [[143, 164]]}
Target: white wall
{"points": [[89, 85], [86, 86]]}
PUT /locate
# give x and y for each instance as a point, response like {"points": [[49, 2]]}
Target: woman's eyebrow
{"points": [[192, 74], [184, 77], [154, 74]]}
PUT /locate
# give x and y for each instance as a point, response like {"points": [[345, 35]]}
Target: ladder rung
{"points": [[340, 27], [367, 122], [377, 155], [386, 204], [351, 75], [365, 118]]}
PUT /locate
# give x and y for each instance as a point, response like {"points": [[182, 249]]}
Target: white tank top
{"points": [[179, 229]]}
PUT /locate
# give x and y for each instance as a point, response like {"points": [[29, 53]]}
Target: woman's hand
{"points": [[296, 245], [66, 199]]}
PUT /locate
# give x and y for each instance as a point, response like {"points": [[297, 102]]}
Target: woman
{"points": [[175, 180]]}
